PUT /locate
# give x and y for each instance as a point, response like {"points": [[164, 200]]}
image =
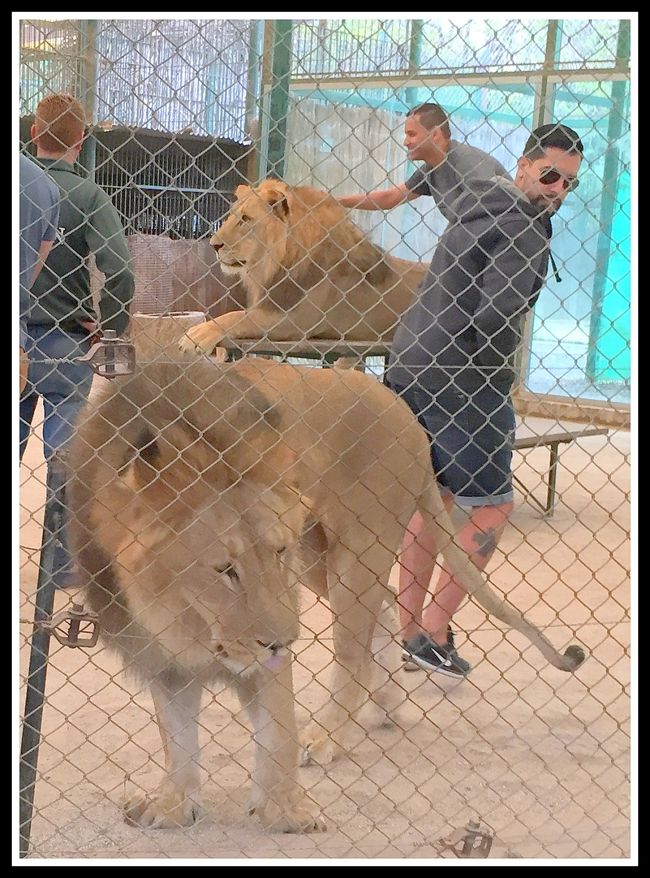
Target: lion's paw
{"points": [[201, 338], [167, 808], [220, 355], [292, 817], [317, 747]]}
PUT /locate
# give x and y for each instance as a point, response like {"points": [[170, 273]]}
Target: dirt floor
{"points": [[540, 758]]}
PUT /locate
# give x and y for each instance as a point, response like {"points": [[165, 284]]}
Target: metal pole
{"points": [[542, 111], [415, 54], [552, 479], [611, 179], [88, 93], [278, 97], [253, 102], [40, 646]]}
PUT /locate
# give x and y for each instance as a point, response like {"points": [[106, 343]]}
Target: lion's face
{"points": [[220, 583], [202, 535], [253, 237]]}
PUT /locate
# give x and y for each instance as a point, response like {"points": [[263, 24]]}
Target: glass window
{"points": [[340, 46], [354, 143], [581, 328], [486, 45], [496, 119], [170, 75], [588, 43]]}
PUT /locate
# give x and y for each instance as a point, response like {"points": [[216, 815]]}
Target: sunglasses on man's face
{"points": [[548, 176]]}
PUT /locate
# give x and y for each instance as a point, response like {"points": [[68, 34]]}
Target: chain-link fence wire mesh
{"points": [[179, 114]]}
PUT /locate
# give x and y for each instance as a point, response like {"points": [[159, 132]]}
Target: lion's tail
{"points": [[436, 515]]}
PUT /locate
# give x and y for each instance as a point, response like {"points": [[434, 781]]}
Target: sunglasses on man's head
{"points": [[549, 176]]}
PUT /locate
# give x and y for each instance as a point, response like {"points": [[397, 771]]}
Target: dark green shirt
{"points": [[88, 223]]}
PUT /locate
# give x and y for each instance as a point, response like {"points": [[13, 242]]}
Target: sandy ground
{"points": [[540, 758]]}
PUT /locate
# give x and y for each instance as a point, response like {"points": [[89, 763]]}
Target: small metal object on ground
{"points": [[470, 841]]}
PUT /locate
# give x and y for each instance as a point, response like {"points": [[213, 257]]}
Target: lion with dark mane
{"points": [[203, 496], [308, 271]]}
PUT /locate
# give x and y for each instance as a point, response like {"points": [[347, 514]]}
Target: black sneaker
{"points": [[409, 664], [423, 652]]}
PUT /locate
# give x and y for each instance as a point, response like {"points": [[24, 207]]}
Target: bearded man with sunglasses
{"points": [[452, 361]]}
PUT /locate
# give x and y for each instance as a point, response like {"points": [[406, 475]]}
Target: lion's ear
{"points": [[281, 206], [242, 190], [170, 462], [274, 192], [149, 456], [142, 462]]}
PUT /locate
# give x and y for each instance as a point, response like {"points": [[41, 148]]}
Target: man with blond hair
{"points": [[62, 318]]}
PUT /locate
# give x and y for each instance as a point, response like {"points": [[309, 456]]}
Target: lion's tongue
{"points": [[273, 663]]}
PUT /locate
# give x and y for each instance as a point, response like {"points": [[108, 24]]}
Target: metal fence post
{"points": [[40, 645]]}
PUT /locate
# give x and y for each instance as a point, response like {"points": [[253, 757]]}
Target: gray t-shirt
{"points": [[449, 180]]}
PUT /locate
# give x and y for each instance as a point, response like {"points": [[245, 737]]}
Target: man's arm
{"points": [[379, 199], [510, 286], [43, 253], [107, 240]]}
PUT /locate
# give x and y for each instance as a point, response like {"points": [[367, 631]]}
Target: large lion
{"points": [[309, 272], [202, 495]]}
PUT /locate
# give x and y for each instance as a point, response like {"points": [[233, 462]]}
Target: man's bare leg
{"points": [[417, 560], [479, 536]]}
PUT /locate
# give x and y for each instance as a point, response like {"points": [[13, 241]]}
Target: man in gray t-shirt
{"points": [[448, 165], [39, 218], [446, 175]]}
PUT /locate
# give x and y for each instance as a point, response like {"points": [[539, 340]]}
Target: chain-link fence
{"points": [[253, 542]]}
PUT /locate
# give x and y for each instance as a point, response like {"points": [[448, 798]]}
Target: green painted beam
{"points": [[278, 97], [253, 99], [397, 105], [88, 92], [415, 55], [600, 327]]}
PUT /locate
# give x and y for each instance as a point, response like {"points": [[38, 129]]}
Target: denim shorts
{"points": [[63, 385], [472, 437], [58, 379]]}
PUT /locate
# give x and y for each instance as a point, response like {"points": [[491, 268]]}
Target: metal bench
{"points": [[309, 348], [552, 440], [329, 351]]}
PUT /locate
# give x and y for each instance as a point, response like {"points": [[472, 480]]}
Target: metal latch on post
{"points": [[75, 636], [111, 356]]}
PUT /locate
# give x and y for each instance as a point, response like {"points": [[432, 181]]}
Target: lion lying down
{"points": [[309, 272], [203, 495]]}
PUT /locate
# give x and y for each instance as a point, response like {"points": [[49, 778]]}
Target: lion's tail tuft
{"points": [[574, 656]]}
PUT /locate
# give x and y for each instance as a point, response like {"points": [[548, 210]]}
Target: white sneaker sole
{"points": [[413, 663]]}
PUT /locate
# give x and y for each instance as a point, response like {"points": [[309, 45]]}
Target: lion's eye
{"points": [[244, 218], [282, 551]]}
